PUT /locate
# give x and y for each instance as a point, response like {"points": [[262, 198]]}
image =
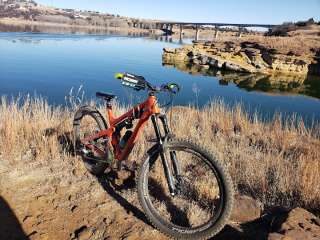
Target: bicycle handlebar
{"points": [[140, 83]]}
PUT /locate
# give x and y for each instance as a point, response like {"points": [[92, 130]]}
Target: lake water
{"points": [[51, 64]]}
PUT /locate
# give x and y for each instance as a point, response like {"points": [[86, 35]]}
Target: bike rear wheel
{"points": [[203, 203], [88, 121]]}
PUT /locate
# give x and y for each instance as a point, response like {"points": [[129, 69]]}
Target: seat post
{"points": [[110, 115]]}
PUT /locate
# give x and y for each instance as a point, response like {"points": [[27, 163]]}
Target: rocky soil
{"points": [[59, 199], [243, 56]]}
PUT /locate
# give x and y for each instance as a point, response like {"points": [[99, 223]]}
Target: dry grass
{"points": [[297, 45], [275, 162]]}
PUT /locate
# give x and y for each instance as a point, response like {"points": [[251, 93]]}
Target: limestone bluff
{"points": [[243, 56]]}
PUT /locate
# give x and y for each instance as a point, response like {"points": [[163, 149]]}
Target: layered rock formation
{"points": [[240, 56]]}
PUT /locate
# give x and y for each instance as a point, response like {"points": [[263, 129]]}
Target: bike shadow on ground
{"points": [[106, 181], [247, 231], [65, 140]]}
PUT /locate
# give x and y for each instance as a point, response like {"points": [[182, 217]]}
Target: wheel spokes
{"points": [[198, 195]]}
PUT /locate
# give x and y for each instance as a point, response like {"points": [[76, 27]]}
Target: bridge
{"points": [[167, 27]]}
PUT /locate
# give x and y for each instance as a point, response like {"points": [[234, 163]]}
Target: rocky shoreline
{"points": [[242, 56]]}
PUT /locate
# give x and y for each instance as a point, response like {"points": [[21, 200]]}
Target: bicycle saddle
{"points": [[105, 96]]}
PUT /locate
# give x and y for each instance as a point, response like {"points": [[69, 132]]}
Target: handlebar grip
{"points": [[119, 75], [171, 87]]}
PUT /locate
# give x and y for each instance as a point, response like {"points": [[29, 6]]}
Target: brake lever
{"points": [[170, 87]]}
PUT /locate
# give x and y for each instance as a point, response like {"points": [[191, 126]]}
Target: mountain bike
{"points": [[185, 191]]}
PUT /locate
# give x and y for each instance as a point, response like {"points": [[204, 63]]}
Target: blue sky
{"points": [[231, 11]]}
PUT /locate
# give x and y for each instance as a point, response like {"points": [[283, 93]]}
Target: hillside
{"points": [[28, 11]]}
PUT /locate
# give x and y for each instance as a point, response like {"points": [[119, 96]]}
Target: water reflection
{"points": [[71, 30], [276, 84], [162, 37]]}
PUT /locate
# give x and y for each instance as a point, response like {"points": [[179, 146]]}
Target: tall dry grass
{"points": [[276, 162], [297, 45]]}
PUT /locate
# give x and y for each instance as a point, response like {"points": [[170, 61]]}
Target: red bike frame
{"points": [[142, 111]]}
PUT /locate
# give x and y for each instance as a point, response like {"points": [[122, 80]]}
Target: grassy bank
{"points": [[275, 162]]}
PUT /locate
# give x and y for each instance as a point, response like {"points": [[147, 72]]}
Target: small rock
{"points": [[234, 67], [252, 53], [296, 224], [266, 57], [246, 209], [215, 63], [259, 66], [203, 60]]}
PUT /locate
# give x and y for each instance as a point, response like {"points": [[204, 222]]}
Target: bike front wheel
{"points": [[203, 201]]}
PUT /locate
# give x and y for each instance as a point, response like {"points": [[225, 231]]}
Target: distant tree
{"points": [[309, 22]]}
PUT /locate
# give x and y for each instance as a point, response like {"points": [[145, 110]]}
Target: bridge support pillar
{"points": [[180, 33], [197, 33], [167, 29]]}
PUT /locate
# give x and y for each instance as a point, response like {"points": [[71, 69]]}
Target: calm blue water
{"points": [[50, 65]]}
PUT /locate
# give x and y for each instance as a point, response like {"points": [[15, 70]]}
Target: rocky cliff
{"points": [[242, 56]]}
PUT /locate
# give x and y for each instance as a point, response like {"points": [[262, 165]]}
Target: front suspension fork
{"points": [[173, 156]]}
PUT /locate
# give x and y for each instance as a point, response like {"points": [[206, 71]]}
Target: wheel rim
{"points": [[201, 200]]}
